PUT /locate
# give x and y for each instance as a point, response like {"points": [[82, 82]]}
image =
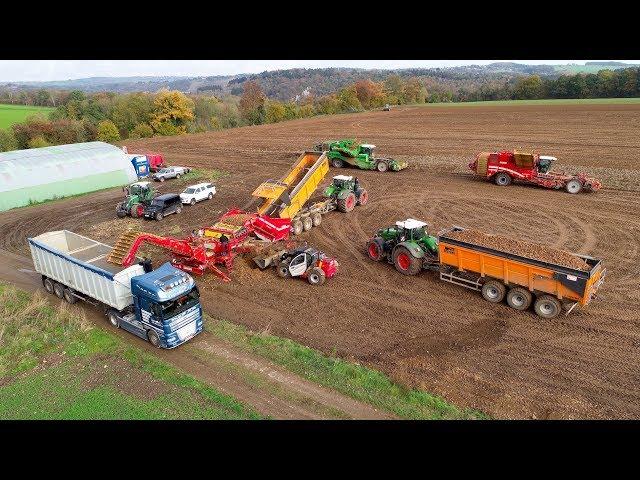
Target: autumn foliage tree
{"points": [[172, 111], [252, 103], [370, 94]]}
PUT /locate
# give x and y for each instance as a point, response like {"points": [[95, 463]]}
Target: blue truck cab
{"points": [[141, 165], [167, 307]]}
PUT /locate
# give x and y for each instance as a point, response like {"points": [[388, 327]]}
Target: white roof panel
{"points": [[343, 177], [410, 224]]}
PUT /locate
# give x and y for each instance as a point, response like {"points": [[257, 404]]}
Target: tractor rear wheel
{"points": [[348, 203], [573, 186], [336, 162], [519, 298], [405, 262], [316, 276], [493, 291], [363, 198], [502, 179], [316, 218], [375, 250], [547, 306], [307, 224], [133, 211], [382, 166], [297, 227]]}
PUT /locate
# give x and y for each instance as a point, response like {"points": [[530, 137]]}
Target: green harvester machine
{"points": [[359, 155], [139, 195]]}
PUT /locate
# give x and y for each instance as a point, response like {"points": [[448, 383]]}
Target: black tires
{"points": [[178, 210], [363, 198], [336, 162], [502, 179], [316, 276], [210, 196], [154, 339], [494, 291], [348, 203], [405, 262], [69, 296], [162, 179], [48, 285], [375, 249], [547, 306], [193, 201], [134, 210], [178, 176], [573, 186], [113, 318], [159, 216], [58, 289], [382, 166], [121, 213], [297, 227], [519, 298], [283, 270]]}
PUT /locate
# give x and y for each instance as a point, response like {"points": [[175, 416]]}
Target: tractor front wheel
{"points": [[405, 262], [363, 198], [348, 203], [316, 276], [337, 163], [502, 179], [382, 166], [375, 250]]}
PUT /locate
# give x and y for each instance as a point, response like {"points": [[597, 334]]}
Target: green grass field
{"points": [[551, 101], [10, 114]]}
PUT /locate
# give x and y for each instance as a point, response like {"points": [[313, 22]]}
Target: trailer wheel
{"points": [[405, 262], [316, 218], [519, 298], [337, 163], [307, 223], [69, 296], [382, 166], [502, 179], [573, 186], [348, 203], [48, 285], [153, 338], [113, 319], [493, 291], [316, 276], [375, 250], [58, 289], [547, 306], [297, 227], [363, 198]]}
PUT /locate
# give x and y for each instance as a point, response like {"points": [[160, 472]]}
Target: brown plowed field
{"points": [[421, 331]]}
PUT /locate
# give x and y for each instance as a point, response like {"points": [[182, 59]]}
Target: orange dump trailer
{"points": [[522, 281]]}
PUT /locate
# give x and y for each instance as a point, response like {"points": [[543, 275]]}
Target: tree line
{"points": [[111, 117]]}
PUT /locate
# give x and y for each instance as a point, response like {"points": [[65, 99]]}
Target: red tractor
{"points": [[504, 167], [307, 263]]}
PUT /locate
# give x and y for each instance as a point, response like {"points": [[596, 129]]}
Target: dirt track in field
{"points": [[423, 332]]}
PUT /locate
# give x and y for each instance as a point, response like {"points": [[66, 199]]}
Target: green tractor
{"points": [[407, 245], [139, 195], [347, 151], [347, 193]]}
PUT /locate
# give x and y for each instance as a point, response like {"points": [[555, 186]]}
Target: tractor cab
{"points": [[139, 188], [544, 163], [342, 182], [367, 149], [411, 229]]}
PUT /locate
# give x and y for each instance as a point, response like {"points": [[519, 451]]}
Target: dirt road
{"points": [[423, 332]]}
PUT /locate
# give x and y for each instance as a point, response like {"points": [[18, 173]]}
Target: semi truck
{"points": [[161, 306]]}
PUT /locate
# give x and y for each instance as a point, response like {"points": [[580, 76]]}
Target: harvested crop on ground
{"points": [[531, 250]]}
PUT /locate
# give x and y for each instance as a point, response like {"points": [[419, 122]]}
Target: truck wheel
{"points": [[283, 270], [405, 262], [547, 306], [382, 166], [48, 285], [113, 319], [336, 162], [307, 223], [316, 218], [519, 298], [493, 291], [375, 250], [316, 276], [158, 216], [58, 289], [363, 198], [502, 179], [153, 338], [297, 227], [573, 186], [193, 201], [69, 296], [348, 203]]}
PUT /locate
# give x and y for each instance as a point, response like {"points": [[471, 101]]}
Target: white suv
{"points": [[195, 193]]}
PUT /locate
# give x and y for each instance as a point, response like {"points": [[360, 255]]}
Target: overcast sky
{"points": [[44, 70]]}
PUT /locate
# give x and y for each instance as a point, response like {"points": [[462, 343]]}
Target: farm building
{"points": [[41, 174]]}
